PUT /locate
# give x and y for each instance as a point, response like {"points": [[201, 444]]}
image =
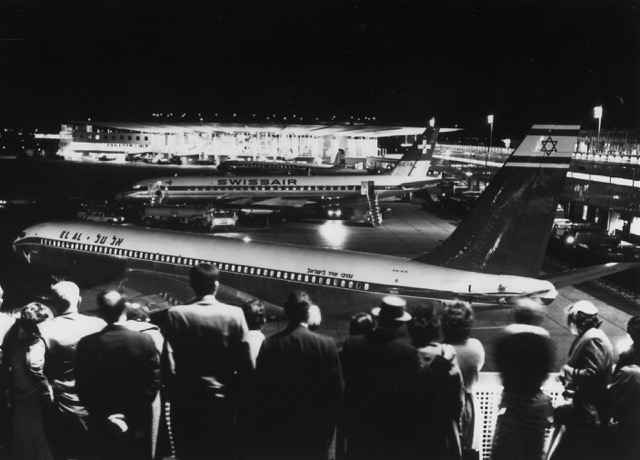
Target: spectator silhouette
{"points": [[632, 355], [437, 396], [585, 377], [298, 387], [360, 323], [457, 321], [118, 378], [624, 424], [28, 388], [254, 313], [379, 370], [66, 420], [138, 319], [524, 356], [207, 350]]}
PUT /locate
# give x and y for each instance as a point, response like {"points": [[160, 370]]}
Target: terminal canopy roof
{"points": [[347, 130]]}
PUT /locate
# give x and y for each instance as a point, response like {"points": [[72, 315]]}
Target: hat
{"points": [[582, 306], [393, 308]]}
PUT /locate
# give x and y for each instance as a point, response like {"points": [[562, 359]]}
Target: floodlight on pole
{"points": [[490, 121], [432, 122], [597, 113]]}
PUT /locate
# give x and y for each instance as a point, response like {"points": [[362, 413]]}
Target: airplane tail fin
{"points": [[507, 230], [417, 160]]}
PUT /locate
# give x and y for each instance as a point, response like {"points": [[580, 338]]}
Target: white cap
{"points": [[583, 306]]}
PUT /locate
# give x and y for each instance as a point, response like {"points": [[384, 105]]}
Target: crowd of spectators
{"points": [[401, 386]]}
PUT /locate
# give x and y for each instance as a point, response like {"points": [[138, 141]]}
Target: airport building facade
{"points": [[216, 142]]}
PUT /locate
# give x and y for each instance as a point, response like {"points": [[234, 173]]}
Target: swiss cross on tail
{"points": [[425, 146], [549, 150]]}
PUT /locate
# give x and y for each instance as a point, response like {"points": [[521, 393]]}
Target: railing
{"points": [[488, 394]]}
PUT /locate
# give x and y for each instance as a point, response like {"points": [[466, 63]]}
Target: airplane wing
{"points": [[271, 202], [581, 275], [159, 292]]}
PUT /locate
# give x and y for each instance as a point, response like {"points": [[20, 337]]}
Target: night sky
{"points": [[398, 61]]}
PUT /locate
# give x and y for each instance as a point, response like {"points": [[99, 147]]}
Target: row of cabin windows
{"points": [[268, 187], [119, 252], [113, 137]]}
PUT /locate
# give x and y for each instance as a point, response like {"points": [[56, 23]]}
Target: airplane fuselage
{"points": [[342, 282], [312, 188]]}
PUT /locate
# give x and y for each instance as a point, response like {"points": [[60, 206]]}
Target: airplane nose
{"points": [[17, 240]]}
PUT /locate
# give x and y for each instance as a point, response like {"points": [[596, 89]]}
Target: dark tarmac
{"points": [[60, 186]]}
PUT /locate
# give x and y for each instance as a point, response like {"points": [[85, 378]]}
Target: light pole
{"points": [[490, 121], [597, 113], [432, 122]]}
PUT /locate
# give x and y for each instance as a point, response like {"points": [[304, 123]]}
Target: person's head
{"points": [[392, 312], [137, 312], [633, 329], [33, 314], [297, 306], [112, 306], [254, 313], [457, 320], [528, 311], [582, 316], [424, 326], [361, 323], [204, 279], [65, 297]]}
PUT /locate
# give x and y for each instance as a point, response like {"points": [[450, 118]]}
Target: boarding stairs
{"points": [[374, 204]]}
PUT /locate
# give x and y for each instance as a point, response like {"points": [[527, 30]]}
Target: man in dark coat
{"points": [[210, 365], [118, 378], [298, 387], [380, 369]]}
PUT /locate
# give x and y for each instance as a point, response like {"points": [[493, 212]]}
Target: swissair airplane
{"points": [[409, 175], [493, 256]]}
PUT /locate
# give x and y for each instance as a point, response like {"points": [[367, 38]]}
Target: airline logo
{"points": [[425, 146], [546, 147], [263, 182]]}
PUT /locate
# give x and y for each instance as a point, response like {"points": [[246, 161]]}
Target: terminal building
{"points": [[215, 142]]}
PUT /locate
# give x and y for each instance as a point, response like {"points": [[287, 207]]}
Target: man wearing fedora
{"points": [[379, 368]]}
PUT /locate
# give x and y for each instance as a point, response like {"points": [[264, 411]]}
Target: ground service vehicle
{"points": [[199, 217], [100, 216]]}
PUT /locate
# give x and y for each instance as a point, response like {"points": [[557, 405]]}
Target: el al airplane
{"points": [[409, 175], [493, 256]]}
